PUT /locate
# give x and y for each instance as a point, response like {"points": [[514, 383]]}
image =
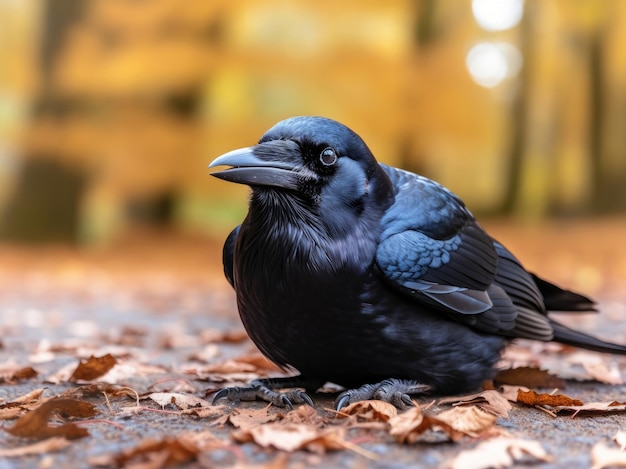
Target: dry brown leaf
{"points": [[248, 418], [45, 446], [372, 410], [470, 420], [11, 374], [10, 413], [409, 426], [98, 389], [594, 407], [258, 361], [30, 397], [153, 454], [229, 366], [129, 369], [499, 452], [604, 372], [35, 423], [599, 367], [93, 368], [207, 412], [554, 400], [12, 409], [182, 401], [123, 370], [304, 414], [62, 375], [490, 401], [291, 437], [205, 354], [510, 392], [530, 377], [602, 456]]}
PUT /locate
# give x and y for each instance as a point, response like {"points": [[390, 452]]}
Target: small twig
{"points": [[360, 451], [337, 413], [547, 411], [108, 403], [134, 392]]}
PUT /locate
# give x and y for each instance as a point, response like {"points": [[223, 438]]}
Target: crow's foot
{"points": [[264, 390], [394, 391]]}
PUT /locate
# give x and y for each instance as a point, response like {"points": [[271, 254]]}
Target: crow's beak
{"points": [[266, 164]]}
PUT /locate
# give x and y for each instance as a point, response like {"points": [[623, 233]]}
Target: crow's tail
{"points": [[557, 299], [565, 335]]}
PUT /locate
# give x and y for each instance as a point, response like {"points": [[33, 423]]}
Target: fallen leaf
{"points": [[602, 456], [182, 401], [596, 407], [248, 418], [31, 397], [530, 377], [98, 389], [499, 452], [372, 410], [304, 414], [14, 408], [604, 372], [152, 454], [10, 413], [532, 398], [470, 420], [13, 374], [510, 392], [130, 369], [93, 368], [229, 366], [34, 424], [409, 426], [490, 401], [206, 412], [45, 446], [260, 362], [206, 354], [291, 437]]}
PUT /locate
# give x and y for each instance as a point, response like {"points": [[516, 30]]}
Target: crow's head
{"points": [[318, 160]]}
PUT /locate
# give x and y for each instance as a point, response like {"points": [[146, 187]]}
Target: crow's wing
{"points": [[432, 250], [228, 255]]}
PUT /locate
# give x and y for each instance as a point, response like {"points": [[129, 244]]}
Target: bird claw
{"points": [[393, 391], [258, 390]]}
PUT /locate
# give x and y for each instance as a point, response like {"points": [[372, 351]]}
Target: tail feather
{"points": [[558, 299], [565, 335]]}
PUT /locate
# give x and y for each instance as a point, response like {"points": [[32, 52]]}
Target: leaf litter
{"points": [[105, 380]]}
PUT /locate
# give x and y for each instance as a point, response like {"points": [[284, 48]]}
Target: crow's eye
{"points": [[328, 157]]}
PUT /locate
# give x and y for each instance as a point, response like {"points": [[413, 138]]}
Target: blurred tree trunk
{"points": [[46, 201], [609, 190], [519, 129]]}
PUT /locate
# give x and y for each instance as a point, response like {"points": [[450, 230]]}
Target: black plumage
{"points": [[368, 276]]}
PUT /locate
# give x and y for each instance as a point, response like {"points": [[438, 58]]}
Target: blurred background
{"points": [[110, 110]]}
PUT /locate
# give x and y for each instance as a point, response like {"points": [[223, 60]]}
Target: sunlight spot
{"points": [[497, 15], [489, 63]]}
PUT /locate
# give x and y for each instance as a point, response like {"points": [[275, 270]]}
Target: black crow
{"points": [[374, 278]]}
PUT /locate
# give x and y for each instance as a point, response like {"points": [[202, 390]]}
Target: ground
{"points": [[158, 304]]}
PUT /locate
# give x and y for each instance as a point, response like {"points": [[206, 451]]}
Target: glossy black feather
{"points": [[352, 271]]}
